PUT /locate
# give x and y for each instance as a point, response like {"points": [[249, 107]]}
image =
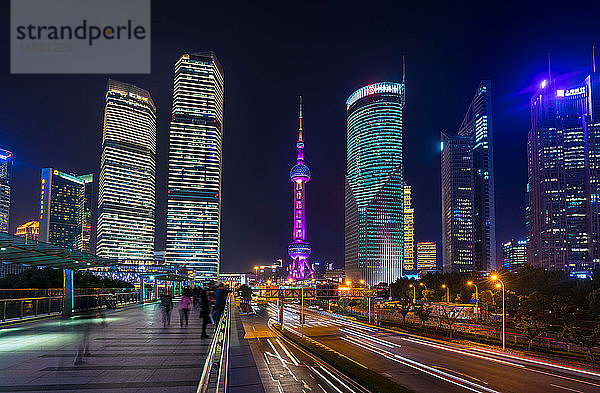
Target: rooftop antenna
{"points": [[594, 58], [300, 120], [403, 69], [549, 69]]}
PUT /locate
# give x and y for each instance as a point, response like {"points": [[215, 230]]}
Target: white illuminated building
{"points": [[126, 199]]}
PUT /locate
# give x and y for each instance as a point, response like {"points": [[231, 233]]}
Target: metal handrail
{"points": [[219, 343]]}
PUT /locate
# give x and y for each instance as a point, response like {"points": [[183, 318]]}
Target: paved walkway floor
{"points": [[129, 351]]}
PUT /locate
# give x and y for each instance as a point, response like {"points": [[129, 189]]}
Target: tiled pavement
{"points": [[130, 351]]}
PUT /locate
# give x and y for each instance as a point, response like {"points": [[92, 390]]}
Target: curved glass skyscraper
{"points": [[374, 217]]}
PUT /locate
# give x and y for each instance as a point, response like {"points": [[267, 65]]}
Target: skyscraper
{"points": [[563, 154], [468, 204], [514, 254], [477, 125], [457, 203], [374, 197], [299, 248], [409, 231], [63, 220], [6, 162], [195, 165], [126, 197], [426, 256]]}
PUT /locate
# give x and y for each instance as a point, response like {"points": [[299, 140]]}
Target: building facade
{"points": [[514, 254], [374, 194], [563, 154], [126, 197], [426, 257], [477, 125], [457, 204], [30, 230], [195, 165], [409, 231], [63, 218], [6, 163]]}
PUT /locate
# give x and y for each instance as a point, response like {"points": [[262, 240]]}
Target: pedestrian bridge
{"points": [[129, 350]]}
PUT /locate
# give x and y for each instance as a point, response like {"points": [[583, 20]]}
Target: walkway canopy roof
{"points": [[17, 249]]}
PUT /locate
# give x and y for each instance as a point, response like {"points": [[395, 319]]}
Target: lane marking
{"points": [[561, 376], [325, 379], [288, 353], [337, 379], [563, 387]]}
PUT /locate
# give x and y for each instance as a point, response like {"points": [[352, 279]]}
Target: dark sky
{"points": [[272, 53]]}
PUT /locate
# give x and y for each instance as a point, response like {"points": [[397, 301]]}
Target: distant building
{"points": [[30, 230], [563, 186], [374, 186], [409, 232], [426, 256], [457, 204], [337, 275], [126, 197], [275, 272], [159, 256], [235, 279], [6, 163], [195, 165], [514, 254], [64, 218]]}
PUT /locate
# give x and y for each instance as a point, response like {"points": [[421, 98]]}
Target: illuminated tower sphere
{"points": [[299, 249]]}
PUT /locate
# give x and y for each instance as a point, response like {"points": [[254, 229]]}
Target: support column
{"points": [[67, 310], [281, 312], [142, 290], [156, 287]]}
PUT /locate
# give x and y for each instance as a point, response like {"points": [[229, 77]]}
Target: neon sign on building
{"points": [[376, 88]]}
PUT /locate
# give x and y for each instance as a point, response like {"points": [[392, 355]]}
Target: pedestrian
{"points": [[204, 311], [196, 295], [184, 307], [166, 306], [220, 299]]}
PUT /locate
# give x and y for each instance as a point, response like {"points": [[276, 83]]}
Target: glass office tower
{"points": [[514, 254], [563, 153], [374, 197], [426, 257], [457, 203], [409, 231], [63, 219], [126, 197], [6, 163], [195, 165], [477, 125]]}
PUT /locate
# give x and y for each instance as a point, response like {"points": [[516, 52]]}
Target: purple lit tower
{"points": [[299, 249]]}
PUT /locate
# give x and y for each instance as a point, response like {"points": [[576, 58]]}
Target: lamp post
{"points": [[471, 283], [500, 284], [414, 293], [256, 273], [447, 293]]}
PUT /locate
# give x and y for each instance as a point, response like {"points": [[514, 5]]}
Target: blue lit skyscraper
{"points": [[374, 212], [6, 162], [563, 154], [195, 165]]}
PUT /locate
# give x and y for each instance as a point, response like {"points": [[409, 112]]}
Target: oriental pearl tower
{"points": [[299, 249]]}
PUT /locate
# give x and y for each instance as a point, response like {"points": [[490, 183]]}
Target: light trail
{"points": [[325, 379]]}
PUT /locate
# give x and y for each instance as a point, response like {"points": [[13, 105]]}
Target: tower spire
{"points": [[549, 69], [403, 69], [593, 58], [300, 121]]}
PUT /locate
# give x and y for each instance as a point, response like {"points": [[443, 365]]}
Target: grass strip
{"points": [[369, 379]]}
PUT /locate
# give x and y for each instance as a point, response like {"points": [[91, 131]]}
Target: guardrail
{"points": [[217, 379], [29, 307]]}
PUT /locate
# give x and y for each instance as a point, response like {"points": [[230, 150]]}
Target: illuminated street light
{"points": [[500, 284], [414, 293], [471, 283], [447, 293]]}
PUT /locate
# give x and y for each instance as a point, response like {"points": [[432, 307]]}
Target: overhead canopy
{"points": [[17, 249], [170, 277]]}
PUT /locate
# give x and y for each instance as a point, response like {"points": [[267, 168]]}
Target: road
{"points": [[427, 365]]}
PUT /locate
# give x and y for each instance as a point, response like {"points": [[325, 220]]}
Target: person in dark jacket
{"points": [[204, 311], [220, 299], [166, 306]]}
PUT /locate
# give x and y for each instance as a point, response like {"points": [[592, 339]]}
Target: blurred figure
{"points": [[204, 311], [185, 304], [196, 295], [166, 306], [220, 300], [85, 326]]}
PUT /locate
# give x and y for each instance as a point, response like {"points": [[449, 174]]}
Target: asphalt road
{"points": [[426, 365]]}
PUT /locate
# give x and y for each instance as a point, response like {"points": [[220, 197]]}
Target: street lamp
{"points": [[414, 293], [362, 282], [422, 285], [471, 283], [348, 282], [256, 273], [447, 292], [500, 284]]}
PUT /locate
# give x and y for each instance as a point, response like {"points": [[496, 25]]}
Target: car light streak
{"points": [[337, 379], [288, 353], [325, 379], [374, 339]]}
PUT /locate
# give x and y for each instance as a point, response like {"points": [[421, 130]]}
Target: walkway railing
{"points": [[31, 307], [215, 375]]}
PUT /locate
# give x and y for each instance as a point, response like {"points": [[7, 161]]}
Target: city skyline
{"points": [[510, 82]]}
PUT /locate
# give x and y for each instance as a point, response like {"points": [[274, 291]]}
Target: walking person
{"points": [[166, 306], [185, 304], [220, 300], [204, 311]]}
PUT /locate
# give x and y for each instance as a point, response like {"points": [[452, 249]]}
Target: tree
{"points": [[352, 303], [486, 299], [245, 293], [581, 337], [536, 304], [450, 317], [428, 294], [593, 299], [402, 309], [531, 328], [423, 313], [563, 308]]}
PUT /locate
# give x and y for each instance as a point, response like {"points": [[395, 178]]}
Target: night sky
{"points": [[272, 53]]}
